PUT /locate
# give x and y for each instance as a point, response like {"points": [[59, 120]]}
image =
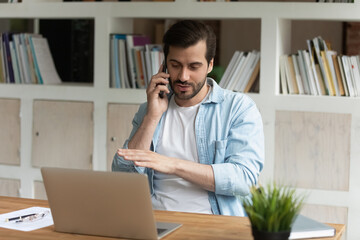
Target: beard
{"points": [[186, 95]]}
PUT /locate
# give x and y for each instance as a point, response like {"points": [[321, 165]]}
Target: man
{"points": [[201, 146]]}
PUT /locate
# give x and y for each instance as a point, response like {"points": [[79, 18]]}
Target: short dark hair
{"points": [[187, 33]]}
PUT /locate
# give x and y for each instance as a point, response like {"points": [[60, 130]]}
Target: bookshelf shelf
{"points": [[316, 104], [213, 10], [47, 92], [277, 21]]}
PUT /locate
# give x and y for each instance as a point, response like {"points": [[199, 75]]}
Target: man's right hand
{"points": [[157, 105]]}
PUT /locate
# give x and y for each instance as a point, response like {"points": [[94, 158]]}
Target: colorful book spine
{"points": [[7, 53]]}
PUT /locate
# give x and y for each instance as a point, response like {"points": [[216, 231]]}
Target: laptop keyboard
{"points": [[160, 230]]}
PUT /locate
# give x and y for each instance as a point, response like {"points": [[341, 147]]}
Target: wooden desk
{"points": [[195, 226]]}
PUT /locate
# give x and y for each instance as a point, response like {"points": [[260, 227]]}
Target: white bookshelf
{"points": [[275, 31]]}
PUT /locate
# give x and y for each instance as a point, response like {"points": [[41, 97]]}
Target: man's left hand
{"points": [[149, 159], [200, 174]]}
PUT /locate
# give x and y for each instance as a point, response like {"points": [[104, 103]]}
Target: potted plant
{"points": [[272, 210]]}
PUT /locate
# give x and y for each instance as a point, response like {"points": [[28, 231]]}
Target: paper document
{"points": [[32, 218]]}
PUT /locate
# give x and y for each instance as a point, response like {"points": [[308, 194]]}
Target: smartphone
{"points": [[164, 69]]}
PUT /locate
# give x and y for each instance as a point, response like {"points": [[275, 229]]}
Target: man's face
{"points": [[188, 69]]}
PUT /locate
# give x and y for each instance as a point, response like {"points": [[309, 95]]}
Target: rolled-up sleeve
{"points": [[243, 154], [119, 164]]}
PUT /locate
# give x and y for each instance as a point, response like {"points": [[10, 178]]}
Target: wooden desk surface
{"points": [[195, 226]]}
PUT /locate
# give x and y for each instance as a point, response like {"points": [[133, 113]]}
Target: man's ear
{"points": [[211, 65]]}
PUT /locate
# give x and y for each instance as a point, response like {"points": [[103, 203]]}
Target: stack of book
{"points": [[134, 60], [320, 71], [26, 58], [242, 71]]}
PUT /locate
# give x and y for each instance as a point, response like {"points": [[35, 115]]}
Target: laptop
{"points": [[111, 204]]}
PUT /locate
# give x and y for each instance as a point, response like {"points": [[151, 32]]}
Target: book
{"points": [[328, 76], [140, 75], [283, 81], [320, 61], [338, 75], [350, 66], [331, 65], [320, 71], [322, 87], [355, 68], [341, 67], [291, 78], [348, 76], [318, 79], [230, 69], [253, 77], [249, 72], [2, 66], [304, 227], [157, 58], [302, 68], [114, 71], [7, 54], [24, 59], [356, 74], [297, 74], [34, 76], [242, 72], [131, 42], [314, 50], [133, 60], [240, 68], [123, 66], [310, 71], [144, 70], [15, 63], [154, 57], [288, 76], [44, 63], [326, 53], [36, 65], [117, 80], [17, 56], [119, 66]]}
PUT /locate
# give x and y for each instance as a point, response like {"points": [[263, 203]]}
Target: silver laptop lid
{"points": [[113, 204]]}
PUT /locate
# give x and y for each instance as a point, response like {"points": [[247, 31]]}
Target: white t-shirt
{"points": [[177, 139]]}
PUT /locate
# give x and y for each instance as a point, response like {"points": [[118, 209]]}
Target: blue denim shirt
{"points": [[230, 138]]}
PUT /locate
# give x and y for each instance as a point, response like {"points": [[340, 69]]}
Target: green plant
{"points": [[272, 209]]}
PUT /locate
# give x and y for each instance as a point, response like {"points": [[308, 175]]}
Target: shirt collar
{"points": [[217, 93]]}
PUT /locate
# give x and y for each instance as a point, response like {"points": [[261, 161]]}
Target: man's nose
{"points": [[184, 74]]}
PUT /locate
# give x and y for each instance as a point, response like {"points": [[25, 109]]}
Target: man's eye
{"points": [[194, 67]]}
